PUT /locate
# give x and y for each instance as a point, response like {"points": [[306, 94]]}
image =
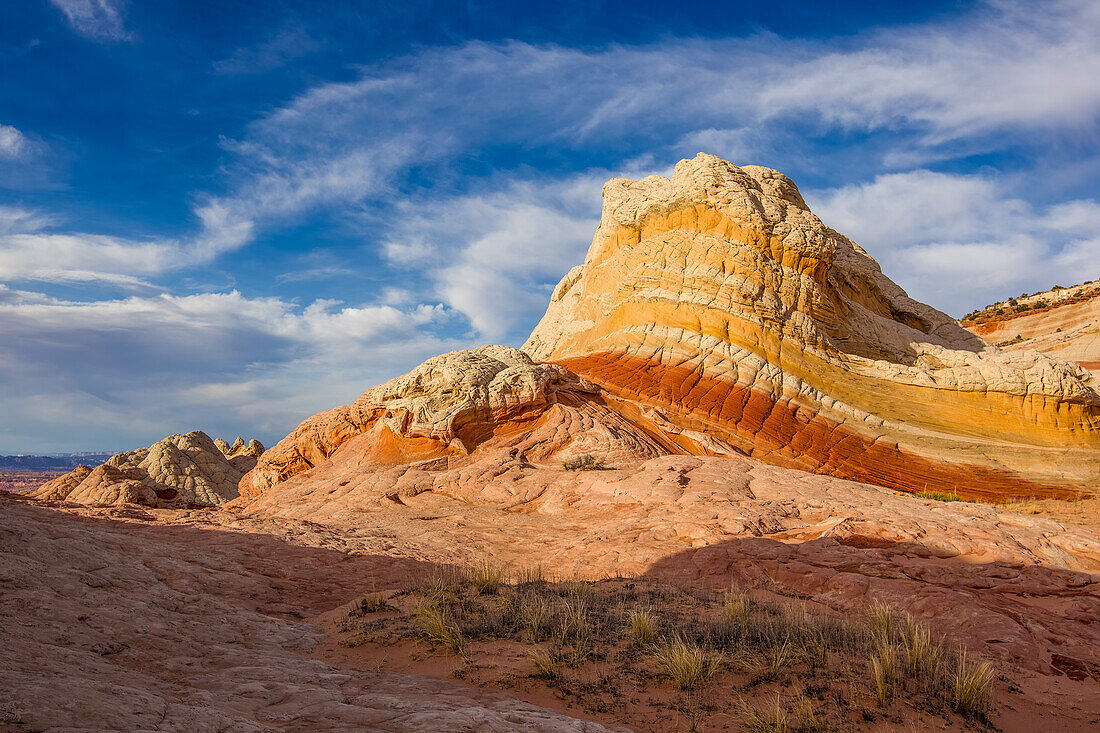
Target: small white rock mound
{"points": [[188, 470]]}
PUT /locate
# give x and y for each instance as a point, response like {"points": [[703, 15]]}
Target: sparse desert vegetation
{"points": [[938, 496], [586, 462], [709, 658]]}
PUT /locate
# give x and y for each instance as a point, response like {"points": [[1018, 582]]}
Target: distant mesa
{"points": [[57, 462], [716, 315], [180, 471]]}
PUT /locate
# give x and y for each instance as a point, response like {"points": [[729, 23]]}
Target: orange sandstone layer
{"points": [[788, 434], [719, 297]]}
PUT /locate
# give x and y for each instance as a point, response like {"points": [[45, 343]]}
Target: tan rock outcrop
{"points": [[452, 404], [1062, 323], [181, 470], [719, 299]]}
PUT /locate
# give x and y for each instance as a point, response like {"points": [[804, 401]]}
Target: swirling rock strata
{"points": [[453, 404], [718, 298]]}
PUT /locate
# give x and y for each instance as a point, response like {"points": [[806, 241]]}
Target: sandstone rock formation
{"points": [[717, 298], [1063, 323], [463, 457], [181, 470], [452, 404]]}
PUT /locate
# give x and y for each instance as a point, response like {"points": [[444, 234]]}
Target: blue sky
{"points": [[229, 216]]}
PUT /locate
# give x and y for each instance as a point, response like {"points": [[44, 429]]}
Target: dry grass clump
{"points": [[573, 620], [435, 625], [441, 584], [971, 686], [643, 626], [815, 649], [573, 632], [938, 496], [883, 673], [686, 665], [531, 575], [533, 610], [775, 662], [1025, 506], [769, 719], [587, 462], [923, 656], [809, 721], [881, 619], [547, 665], [484, 577], [736, 605], [370, 603]]}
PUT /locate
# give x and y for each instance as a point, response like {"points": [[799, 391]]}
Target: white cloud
{"points": [[29, 250], [12, 143], [32, 248], [150, 366], [51, 257], [1009, 65], [17, 220], [961, 242], [944, 88], [96, 19], [495, 256]]}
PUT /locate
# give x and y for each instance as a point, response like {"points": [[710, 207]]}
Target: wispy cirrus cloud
{"points": [[100, 20], [289, 43]]}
